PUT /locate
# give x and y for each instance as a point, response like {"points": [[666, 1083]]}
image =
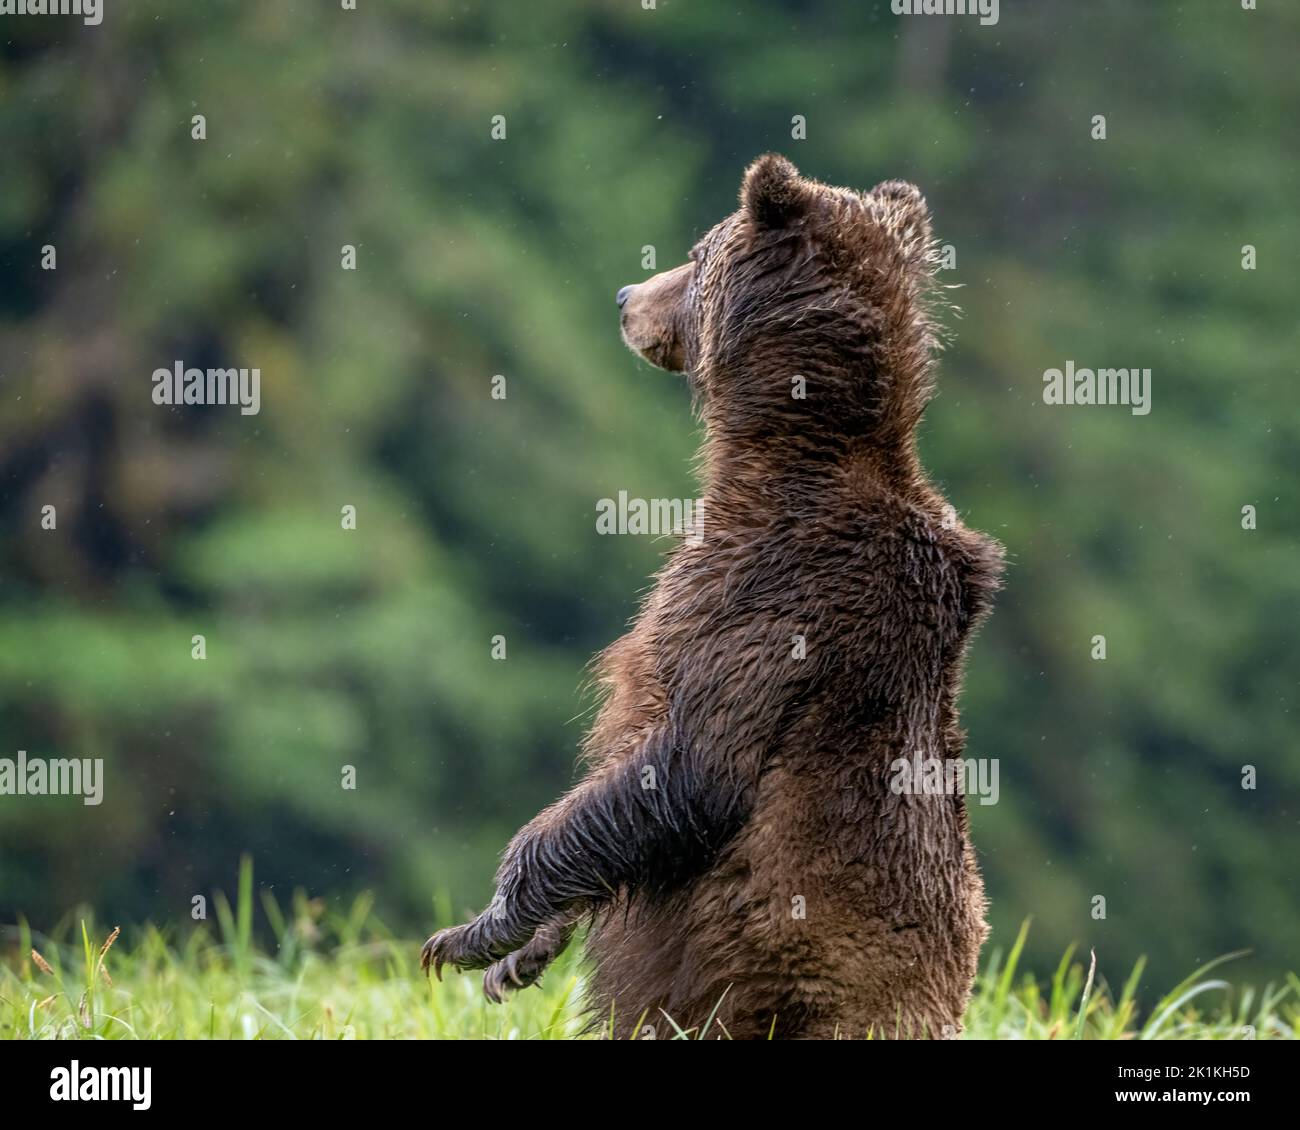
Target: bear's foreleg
{"points": [[649, 821]]}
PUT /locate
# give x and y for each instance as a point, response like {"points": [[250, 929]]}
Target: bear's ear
{"points": [[772, 193], [906, 212]]}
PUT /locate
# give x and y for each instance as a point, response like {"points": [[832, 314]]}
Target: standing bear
{"points": [[740, 842]]}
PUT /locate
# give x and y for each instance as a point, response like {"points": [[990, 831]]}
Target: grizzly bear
{"points": [[739, 844]]}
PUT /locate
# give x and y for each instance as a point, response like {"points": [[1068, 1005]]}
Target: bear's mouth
{"points": [[653, 343]]}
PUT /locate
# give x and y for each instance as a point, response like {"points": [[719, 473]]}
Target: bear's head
{"points": [[805, 311]]}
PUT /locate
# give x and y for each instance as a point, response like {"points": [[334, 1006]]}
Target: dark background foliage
{"points": [[626, 127]]}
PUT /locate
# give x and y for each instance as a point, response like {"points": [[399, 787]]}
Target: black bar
{"points": [[373, 1077]]}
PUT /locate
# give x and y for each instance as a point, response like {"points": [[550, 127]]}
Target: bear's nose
{"points": [[621, 296]]}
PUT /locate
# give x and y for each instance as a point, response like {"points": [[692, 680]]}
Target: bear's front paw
{"points": [[460, 946], [512, 972], [526, 965], [476, 945]]}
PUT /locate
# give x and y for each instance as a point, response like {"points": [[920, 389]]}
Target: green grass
{"points": [[344, 976]]}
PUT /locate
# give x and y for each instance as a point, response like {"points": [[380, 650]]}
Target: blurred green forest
{"points": [[476, 257]]}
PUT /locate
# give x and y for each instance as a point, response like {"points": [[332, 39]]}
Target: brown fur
{"points": [[770, 774]]}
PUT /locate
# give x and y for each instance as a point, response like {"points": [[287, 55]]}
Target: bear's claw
{"points": [[453, 946], [502, 978], [429, 956], [462, 947]]}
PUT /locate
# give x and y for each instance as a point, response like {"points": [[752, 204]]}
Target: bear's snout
{"points": [[651, 314]]}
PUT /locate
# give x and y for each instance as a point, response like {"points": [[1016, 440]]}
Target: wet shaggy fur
{"points": [[735, 842]]}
